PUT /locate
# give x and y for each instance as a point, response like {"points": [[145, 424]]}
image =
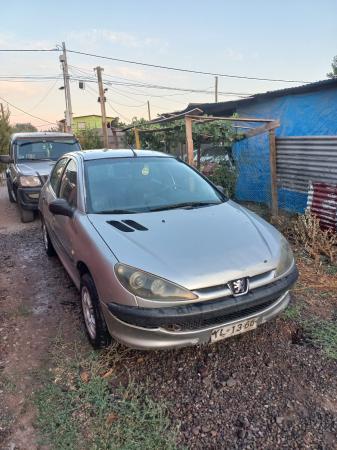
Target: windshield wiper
{"points": [[186, 205], [117, 211]]}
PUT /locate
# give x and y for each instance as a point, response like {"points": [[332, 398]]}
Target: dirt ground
{"points": [[267, 389]]}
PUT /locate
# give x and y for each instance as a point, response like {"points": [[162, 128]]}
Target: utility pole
{"points": [[216, 89], [2, 111], [101, 99], [148, 110], [69, 111]]}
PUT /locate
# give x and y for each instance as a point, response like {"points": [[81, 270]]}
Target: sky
{"points": [[293, 40]]}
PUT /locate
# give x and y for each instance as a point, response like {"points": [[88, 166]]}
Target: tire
{"points": [[26, 214], [10, 192], [94, 322], [48, 246]]}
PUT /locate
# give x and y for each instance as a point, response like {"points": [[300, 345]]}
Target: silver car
{"points": [[161, 257]]}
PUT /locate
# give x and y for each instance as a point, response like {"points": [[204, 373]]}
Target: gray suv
{"points": [[30, 160]]}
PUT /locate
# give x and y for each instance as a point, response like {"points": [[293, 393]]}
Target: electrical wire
{"points": [[25, 112], [178, 69]]}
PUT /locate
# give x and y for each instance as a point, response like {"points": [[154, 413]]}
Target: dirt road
{"points": [[267, 389]]}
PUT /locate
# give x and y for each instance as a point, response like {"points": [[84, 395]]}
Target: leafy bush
{"points": [[226, 177], [89, 139]]}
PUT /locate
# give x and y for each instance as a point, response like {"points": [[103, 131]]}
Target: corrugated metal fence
{"points": [[304, 159]]}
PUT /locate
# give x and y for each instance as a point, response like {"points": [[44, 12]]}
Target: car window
{"points": [[48, 149], [56, 174], [68, 188], [144, 184]]}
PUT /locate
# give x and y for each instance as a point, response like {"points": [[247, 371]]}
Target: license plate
{"points": [[232, 330]]}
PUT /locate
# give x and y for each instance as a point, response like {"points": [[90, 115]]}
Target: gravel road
{"points": [[267, 389]]}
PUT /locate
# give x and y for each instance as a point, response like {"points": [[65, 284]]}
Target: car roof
{"points": [[105, 153], [41, 134]]}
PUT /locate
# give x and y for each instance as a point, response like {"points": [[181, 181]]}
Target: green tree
{"points": [[24, 127], [333, 73], [5, 132]]}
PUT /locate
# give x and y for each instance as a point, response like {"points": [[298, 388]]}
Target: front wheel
{"points": [[48, 246], [10, 192], [95, 325]]}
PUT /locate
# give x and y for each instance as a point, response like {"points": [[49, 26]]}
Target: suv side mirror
{"points": [[61, 207], [223, 190], [6, 159]]}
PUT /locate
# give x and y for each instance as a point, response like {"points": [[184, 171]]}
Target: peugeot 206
{"points": [[161, 257]]}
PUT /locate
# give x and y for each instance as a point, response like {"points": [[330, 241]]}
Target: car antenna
{"points": [[133, 151]]}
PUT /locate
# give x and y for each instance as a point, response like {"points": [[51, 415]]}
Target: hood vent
{"points": [[135, 225], [128, 226]]}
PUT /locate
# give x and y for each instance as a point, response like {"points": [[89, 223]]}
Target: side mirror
{"points": [[223, 190], [6, 159], [61, 207]]}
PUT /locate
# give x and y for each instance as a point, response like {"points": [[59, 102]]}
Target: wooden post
{"points": [[2, 111], [137, 138], [216, 90], [189, 140], [273, 173], [148, 110], [198, 156]]}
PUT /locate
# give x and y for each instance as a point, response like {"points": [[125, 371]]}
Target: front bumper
{"points": [[150, 328], [29, 197]]}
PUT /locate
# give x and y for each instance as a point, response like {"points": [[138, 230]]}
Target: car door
{"points": [[65, 227], [49, 194]]}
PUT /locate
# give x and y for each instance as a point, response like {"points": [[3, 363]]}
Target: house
{"points": [[306, 141], [89, 121]]}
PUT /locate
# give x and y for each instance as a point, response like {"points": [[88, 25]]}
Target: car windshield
{"points": [[145, 184], [51, 149]]}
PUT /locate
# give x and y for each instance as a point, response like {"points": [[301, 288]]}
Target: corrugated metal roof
{"points": [[227, 108]]}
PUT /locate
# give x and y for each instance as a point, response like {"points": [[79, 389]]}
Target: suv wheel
{"points": [[95, 325], [48, 246], [10, 192]]}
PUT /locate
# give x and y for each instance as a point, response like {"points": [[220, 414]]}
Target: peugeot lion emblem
{"points": [[239, 286]]}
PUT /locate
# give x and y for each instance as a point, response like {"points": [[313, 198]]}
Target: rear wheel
{"points": [[10, 192], [48, 246], [95, 325]]}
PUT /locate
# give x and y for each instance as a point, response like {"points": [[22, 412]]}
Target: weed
{"points": [[324, 334], [292, 312], [77, 410]]}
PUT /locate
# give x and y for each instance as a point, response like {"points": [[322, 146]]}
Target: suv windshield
{"points": [[51, 149], [144, 184]]}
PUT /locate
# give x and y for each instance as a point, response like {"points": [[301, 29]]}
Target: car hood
{"points": [[42, 168], [195, 248]]}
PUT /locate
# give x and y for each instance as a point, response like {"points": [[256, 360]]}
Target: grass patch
{"points": [[78, 409], [324, 334], [292, 312]]}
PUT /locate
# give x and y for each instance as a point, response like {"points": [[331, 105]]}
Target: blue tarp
{"points": [[309, 114]]}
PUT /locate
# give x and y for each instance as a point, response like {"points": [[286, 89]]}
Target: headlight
{"points": [[286, 258], [30, 181], [149, 286]]}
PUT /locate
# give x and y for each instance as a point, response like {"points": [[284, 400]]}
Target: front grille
{"points": [[200, 323]]}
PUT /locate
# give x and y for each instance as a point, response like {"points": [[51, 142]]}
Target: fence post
{"points": [[273, 173], [189, 140], [137, 138]]}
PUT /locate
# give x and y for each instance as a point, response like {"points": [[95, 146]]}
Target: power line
{"points": [[25, 112], [178, 69], [29, 49]]}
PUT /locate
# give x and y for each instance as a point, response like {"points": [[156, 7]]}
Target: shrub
{"points": [[89, 139], [226, 177]]}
